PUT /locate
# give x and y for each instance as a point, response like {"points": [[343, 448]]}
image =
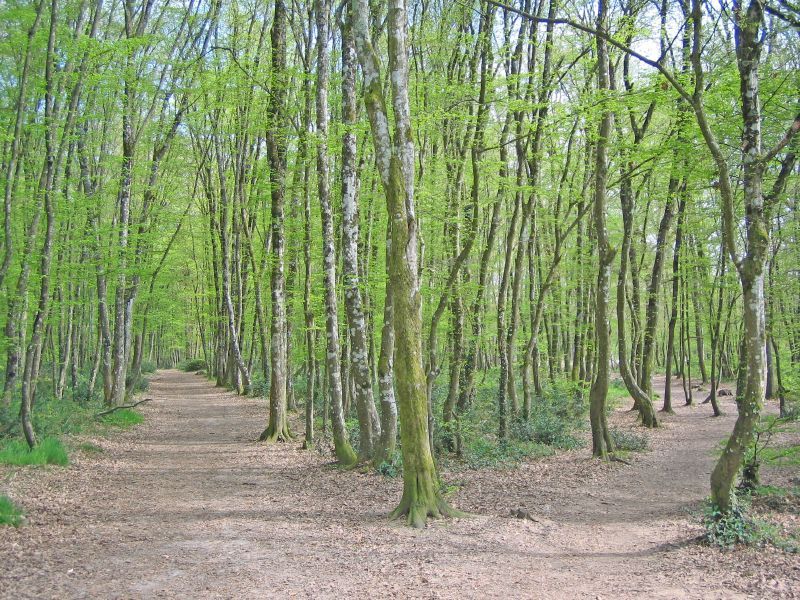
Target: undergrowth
{"points": [[192, 365], [49, 451], [483, 453], [738, 528], [628, 441], [10, 513], [124, 418], [56, 419]]}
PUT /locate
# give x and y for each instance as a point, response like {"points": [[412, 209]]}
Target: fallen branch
{"points": [[111, 410]]}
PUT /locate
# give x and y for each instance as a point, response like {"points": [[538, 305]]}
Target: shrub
{"points": [[259, 386], [50, 451], [761, 450], [148, 367], [628, 441], [481, 453], [736, 528], [392, 467], [726, 531], [192, 365], [10, 513], [559, 412], [142, 384]]}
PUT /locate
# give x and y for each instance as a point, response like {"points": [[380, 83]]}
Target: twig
{"points": [[111, 410]]}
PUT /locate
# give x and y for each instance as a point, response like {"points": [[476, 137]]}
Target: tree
{"points": [[394, 154]]}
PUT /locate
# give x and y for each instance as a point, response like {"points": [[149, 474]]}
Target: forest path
{"points": [[188, 505]]}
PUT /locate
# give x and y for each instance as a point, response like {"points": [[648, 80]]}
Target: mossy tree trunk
{"points": [[601, 438], [394, 155]]}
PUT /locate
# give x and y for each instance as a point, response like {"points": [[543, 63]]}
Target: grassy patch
{"points": [[786, 456], [50, 451], [482, 453], [10, 513], [90, 448], [123, 419]]}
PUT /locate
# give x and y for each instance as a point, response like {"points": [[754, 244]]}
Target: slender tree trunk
{"points": [[278, 427], [601, 438], [369, 424], [344, 452]]}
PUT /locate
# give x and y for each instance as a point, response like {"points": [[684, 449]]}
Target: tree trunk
{"points": [[369, 425], [601, 438], [395, 158], [278, 427]]}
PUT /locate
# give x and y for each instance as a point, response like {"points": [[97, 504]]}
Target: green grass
{"points": [[123, 419], [50, 451], [10, 513], [483, 453], [90, 448], [617, 394], [786, 456]]}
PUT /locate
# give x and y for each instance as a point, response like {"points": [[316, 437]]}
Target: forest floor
{"points": [[189, 505]]}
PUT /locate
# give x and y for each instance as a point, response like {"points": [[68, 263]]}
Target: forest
{"points": [[411, 262]]}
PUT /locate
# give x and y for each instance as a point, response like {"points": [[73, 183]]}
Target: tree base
{"points": [[421, 500], [346, 456], [276, 434]]}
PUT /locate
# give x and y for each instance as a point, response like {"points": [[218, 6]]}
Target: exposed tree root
{"points": [[278, 434], [422, 500], [346, 456]]}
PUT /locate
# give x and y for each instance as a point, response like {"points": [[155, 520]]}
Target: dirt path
{"points": [[189, 506]]}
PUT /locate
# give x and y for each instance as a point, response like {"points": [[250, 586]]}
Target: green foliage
{"points": [[555, 417], [50, 451], [259, 386], [123, 419], [482, 453], [617, 392], [728, 530], [736, 528], [142, 384], [392, 467], [10, 513], [351, 426], [628, 441], [763, 452], [148, 367], [193, 365]]}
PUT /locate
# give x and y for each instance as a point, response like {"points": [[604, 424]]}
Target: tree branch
{"points": [[111, 410]]}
